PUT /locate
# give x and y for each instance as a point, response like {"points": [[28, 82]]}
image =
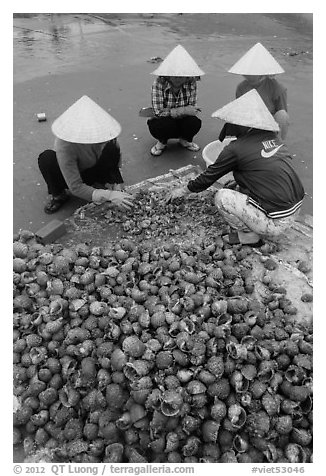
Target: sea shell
{"points": [[191, 446], [294, 374], [239, 382], [284, 424], [133, 346], [240, 444], [301, 436], [271, 403], [220, 389], [249, 371], [215, 366], [306, 405], [187, 325], [237, 415], [195, 387], [136, 369], [294, 453], [210, 429], [172, 442], [164, 359], [219, 308], [298, 393], [228, 457], [236, 351], [20, 250], [258, 424], [134, 456], [171, 403]]}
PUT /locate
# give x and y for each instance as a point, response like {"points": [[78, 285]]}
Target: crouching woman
{"points": [[86, 158], [268, 193]]}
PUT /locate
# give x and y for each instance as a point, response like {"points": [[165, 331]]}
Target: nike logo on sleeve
{"points": [[267, 155]]}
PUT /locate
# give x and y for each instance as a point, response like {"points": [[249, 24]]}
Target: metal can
{"points": [[41, 117]]}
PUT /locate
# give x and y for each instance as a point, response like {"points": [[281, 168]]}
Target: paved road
{"points": [[59, 58]]}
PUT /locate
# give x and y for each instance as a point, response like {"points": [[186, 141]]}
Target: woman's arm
{"points": [[224, 164]]}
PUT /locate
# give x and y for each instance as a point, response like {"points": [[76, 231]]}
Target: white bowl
{"points": [[212, 150]]}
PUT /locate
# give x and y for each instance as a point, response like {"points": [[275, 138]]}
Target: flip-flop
{"points": [[192, 146], [55, 203], [233, 239], [155, 150]]}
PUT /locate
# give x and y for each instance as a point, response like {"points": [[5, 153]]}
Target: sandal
{"points": [[55, 203], [233, 239], [189, 145], [158, 148]]}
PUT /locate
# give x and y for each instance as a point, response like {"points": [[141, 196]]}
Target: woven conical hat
{"points": [[248, 110], [257, 61], [178, 63], [85, 122]]}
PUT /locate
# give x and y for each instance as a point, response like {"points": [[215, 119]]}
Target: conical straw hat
{"points": [[178, 63], [85, 122], [248, 110], [257, 61]]}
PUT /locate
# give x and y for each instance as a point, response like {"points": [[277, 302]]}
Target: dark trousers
{"points": [[164, 128], [106, 169]]}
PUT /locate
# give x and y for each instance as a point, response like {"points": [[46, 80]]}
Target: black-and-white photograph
{"points": [[162, 241]]}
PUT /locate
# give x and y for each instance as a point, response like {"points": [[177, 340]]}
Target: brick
{"points": [[51, 232]]}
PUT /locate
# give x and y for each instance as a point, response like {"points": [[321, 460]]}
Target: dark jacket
{"points": [[262, 166]]}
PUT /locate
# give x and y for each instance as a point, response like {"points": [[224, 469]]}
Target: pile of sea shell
{"points": [[134, 352]]}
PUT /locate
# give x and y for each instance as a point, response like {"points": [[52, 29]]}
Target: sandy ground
{"points": [[59, 58]]}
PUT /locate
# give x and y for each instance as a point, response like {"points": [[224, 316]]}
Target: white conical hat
{"points": [[85, 122], [257, 61], [248, 110], [178, 63]]}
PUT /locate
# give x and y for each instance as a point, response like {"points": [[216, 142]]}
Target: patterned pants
{"points": [[243, 216]]}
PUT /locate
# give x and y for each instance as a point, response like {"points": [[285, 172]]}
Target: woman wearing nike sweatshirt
{"points": [[268, 193]]}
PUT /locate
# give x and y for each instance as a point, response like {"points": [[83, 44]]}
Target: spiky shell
{"points": [[55, 287], [118, 359], [271, 403], [134, 456], [220, 389], [157, 319], [97, 308], [164, 359], [219, 307], [191, 446], [294, 453], [195, 387], [218, 410], [210, 429], [20, 250], [301, 436], [133, 346], [114, 396], [284, 424], [22, 302], [215, 365], [298, 393], [237, 306], [172, 442], [258, 424]]}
